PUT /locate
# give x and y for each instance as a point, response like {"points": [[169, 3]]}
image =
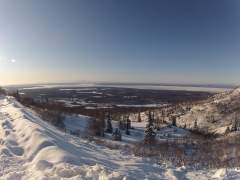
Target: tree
{"points": [[2, 91], [117, 135], [150, 134], [195, 124], [97, 125], [185, 126], [121, 123], [158, 123], [16, 95], [159, 120], [109, 124], [139, 117], [174, 121], [128, 125], [235, 123], [101, 123]]}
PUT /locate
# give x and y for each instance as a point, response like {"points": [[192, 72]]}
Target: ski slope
{"points": [[33, 149]]}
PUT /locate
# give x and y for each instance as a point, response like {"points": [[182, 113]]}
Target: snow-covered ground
{"points": [[76, 123], [215, 115], [141, 105], [80, 124], [33, 149]]}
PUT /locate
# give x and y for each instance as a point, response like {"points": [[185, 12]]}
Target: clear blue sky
{"points": [[187, 41]]}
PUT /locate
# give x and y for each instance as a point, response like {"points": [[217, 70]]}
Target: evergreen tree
{"points": [[158, 123], [234, 127], [2, 91], [163, 116], [128, 125], [100, 123], [235, 123], [150, 134], [121, 123], [117, 135], [185, 126], [174, 121], [109, 124], [17, 95], [195, 124], [139, 117]]}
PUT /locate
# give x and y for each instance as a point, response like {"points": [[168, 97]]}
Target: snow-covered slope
{"points": [[216, 115], [33, 149]]}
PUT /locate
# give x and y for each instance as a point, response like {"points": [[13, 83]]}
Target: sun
{"points": [[13, 60]]}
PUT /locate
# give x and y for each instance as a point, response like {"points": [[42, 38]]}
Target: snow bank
{"points": [[42, 150]]}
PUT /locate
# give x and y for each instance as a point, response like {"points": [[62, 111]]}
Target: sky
{"points": [[155, 41]]}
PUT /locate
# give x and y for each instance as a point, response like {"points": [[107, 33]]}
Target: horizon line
{"points": [[212, 85]]}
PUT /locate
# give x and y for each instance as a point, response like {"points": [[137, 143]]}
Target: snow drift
{"points": [[36, 150]]}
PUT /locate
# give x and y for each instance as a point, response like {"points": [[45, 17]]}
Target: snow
{"points": [[33, 149], [48, 86], [90, 92], [80, 124], [141, 105], [77, 89], [77, 122], [236, 91], [214, 115]]}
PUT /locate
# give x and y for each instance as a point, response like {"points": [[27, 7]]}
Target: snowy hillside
{"points": [[79, 125], [33, 149], [217, 115]]}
